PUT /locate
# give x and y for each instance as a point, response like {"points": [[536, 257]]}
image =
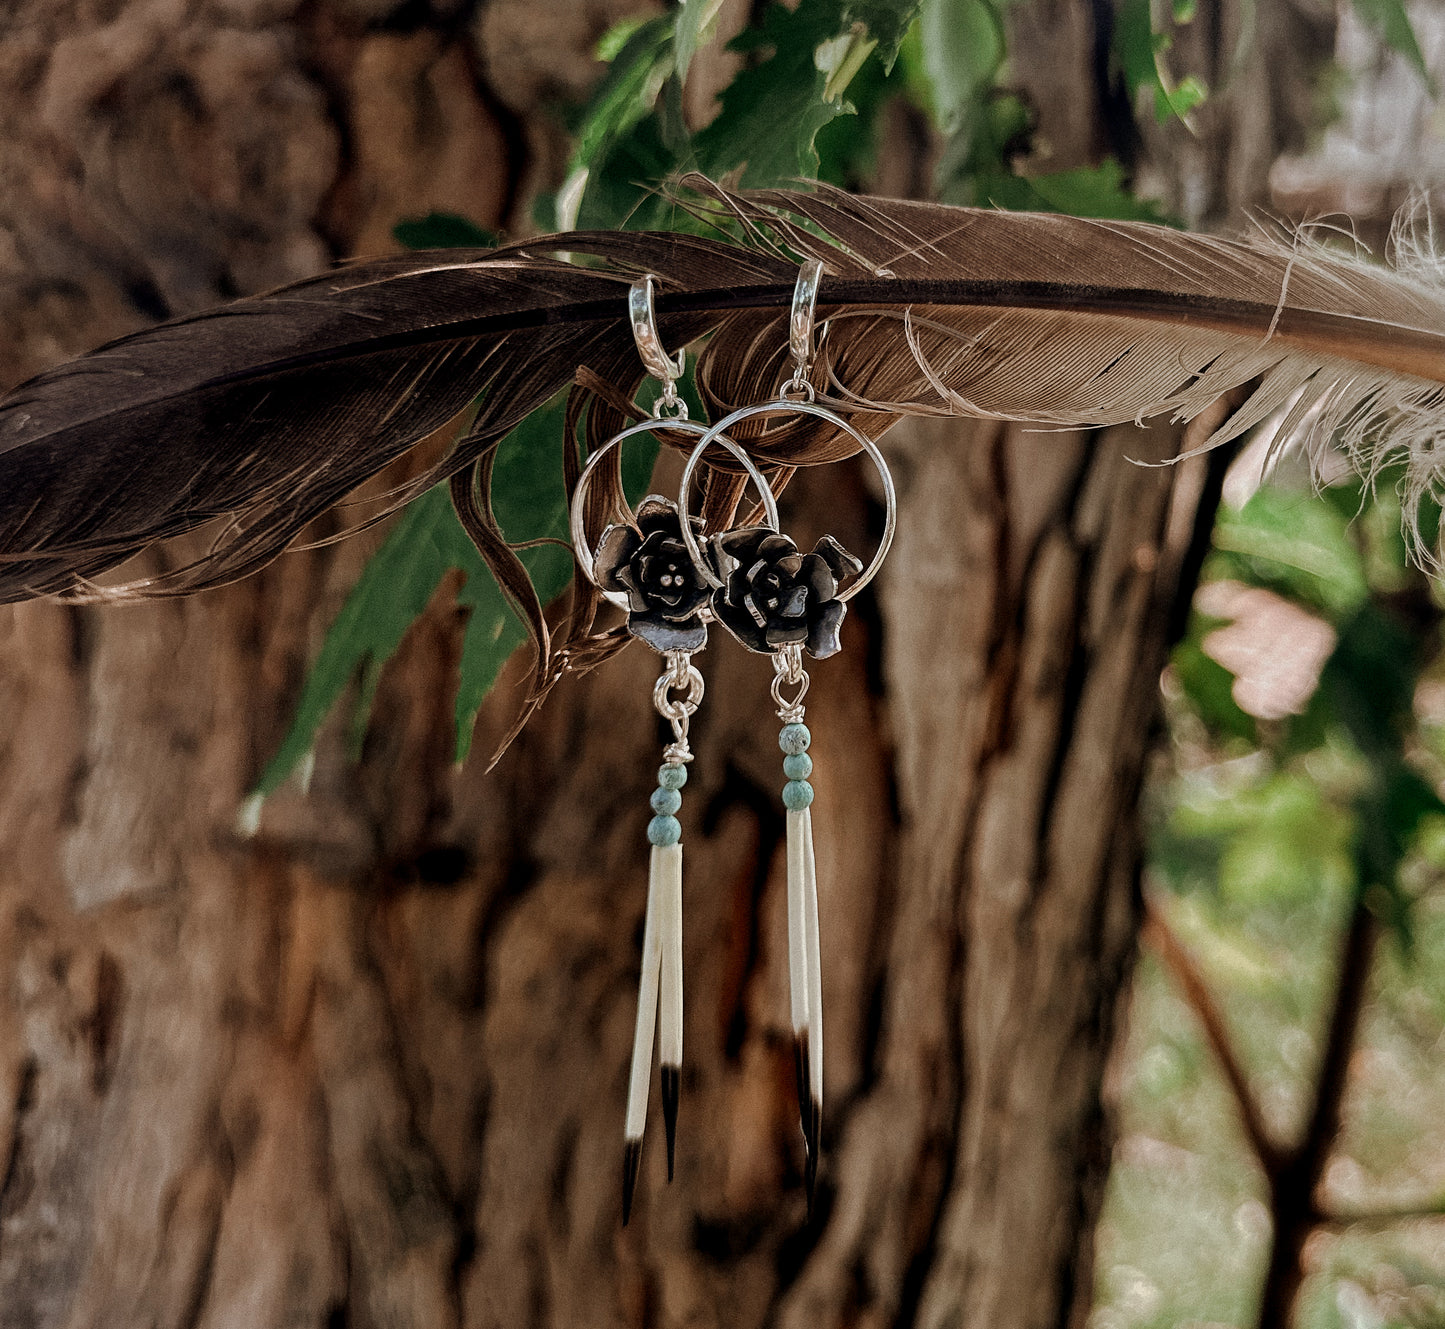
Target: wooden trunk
{"points": [[367, 1066]]}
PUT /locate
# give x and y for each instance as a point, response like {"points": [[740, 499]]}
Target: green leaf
{"points": [[1370, 680], [610, 45], [887, 22], [1092, 191], [962, 47], [627, 94], [771, 112], [1294, 544], [442, 230], [1208, 686], [692, 29], [1391, 24], [801, 61], [395, 586], [1138, 52]]}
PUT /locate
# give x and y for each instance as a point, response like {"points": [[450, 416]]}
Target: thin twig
{"points": [[1162, 939]]}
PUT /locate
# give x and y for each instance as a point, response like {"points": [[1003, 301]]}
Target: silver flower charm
{"points": [[649, 563], [773, 596]]}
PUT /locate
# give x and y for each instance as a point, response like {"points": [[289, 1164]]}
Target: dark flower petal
{"points": [[784, 632], [823, 633], [842, 564], [626, 579], [692, 600], [661, 635], [656, 513], [617, 545], [756, 612], [736, 619], [774, 547], [656, 541], [742, 544], [795, 603], [819, 579]]}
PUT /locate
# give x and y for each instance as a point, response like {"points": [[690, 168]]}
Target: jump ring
{"points": [[677, 708]]}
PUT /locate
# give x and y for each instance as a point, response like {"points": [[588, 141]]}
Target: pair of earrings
{"points": [[776, 601]]}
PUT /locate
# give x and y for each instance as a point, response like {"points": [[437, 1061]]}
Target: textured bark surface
{"points": [[367, 1068]]}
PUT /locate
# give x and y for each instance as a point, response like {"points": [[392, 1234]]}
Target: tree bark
{"points": [[367, 1067]]}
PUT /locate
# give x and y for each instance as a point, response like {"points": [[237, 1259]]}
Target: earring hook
{"points": [[663, 367], [800, 329]]}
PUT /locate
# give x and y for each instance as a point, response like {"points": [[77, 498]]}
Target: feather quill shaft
{"points": [[805, 979], [670, 1037], [814, 1108], [659, 867]]}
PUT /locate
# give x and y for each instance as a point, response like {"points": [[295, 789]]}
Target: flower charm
{"points": [[773, 596], [666, 596]]}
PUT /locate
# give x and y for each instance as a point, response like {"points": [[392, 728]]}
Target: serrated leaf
{"points": [[771, 112], [400, 579], [627, 94], [610, 45], [887, 22], [768, 120], [394, 588]]}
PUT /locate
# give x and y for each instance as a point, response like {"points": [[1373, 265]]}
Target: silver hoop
{"points": [[784, 406], [663, 367], [579, 495], [800, 321]]}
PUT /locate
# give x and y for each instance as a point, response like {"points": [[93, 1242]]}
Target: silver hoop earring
{"points": [[643, 566], [780, 602]]}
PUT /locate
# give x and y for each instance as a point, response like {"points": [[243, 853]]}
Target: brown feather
{"points": [[269, 410]]}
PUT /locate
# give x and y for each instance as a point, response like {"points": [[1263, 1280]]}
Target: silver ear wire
{"points": [[663, 367], [800, 328]]}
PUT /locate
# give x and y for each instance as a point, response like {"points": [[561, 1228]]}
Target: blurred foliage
{"points": [[1265, 838], [1140, 51]]}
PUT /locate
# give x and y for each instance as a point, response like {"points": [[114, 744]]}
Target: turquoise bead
{"points": [[797, 794], [664, 831], [797, 766], [672, 776], [794, 739], [666, 801]]}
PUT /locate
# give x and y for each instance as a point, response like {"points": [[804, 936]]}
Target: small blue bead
{"points": [[664, 831], [672, 776], [666, 801], [794, 739], [797, 766], [797, 794]]}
